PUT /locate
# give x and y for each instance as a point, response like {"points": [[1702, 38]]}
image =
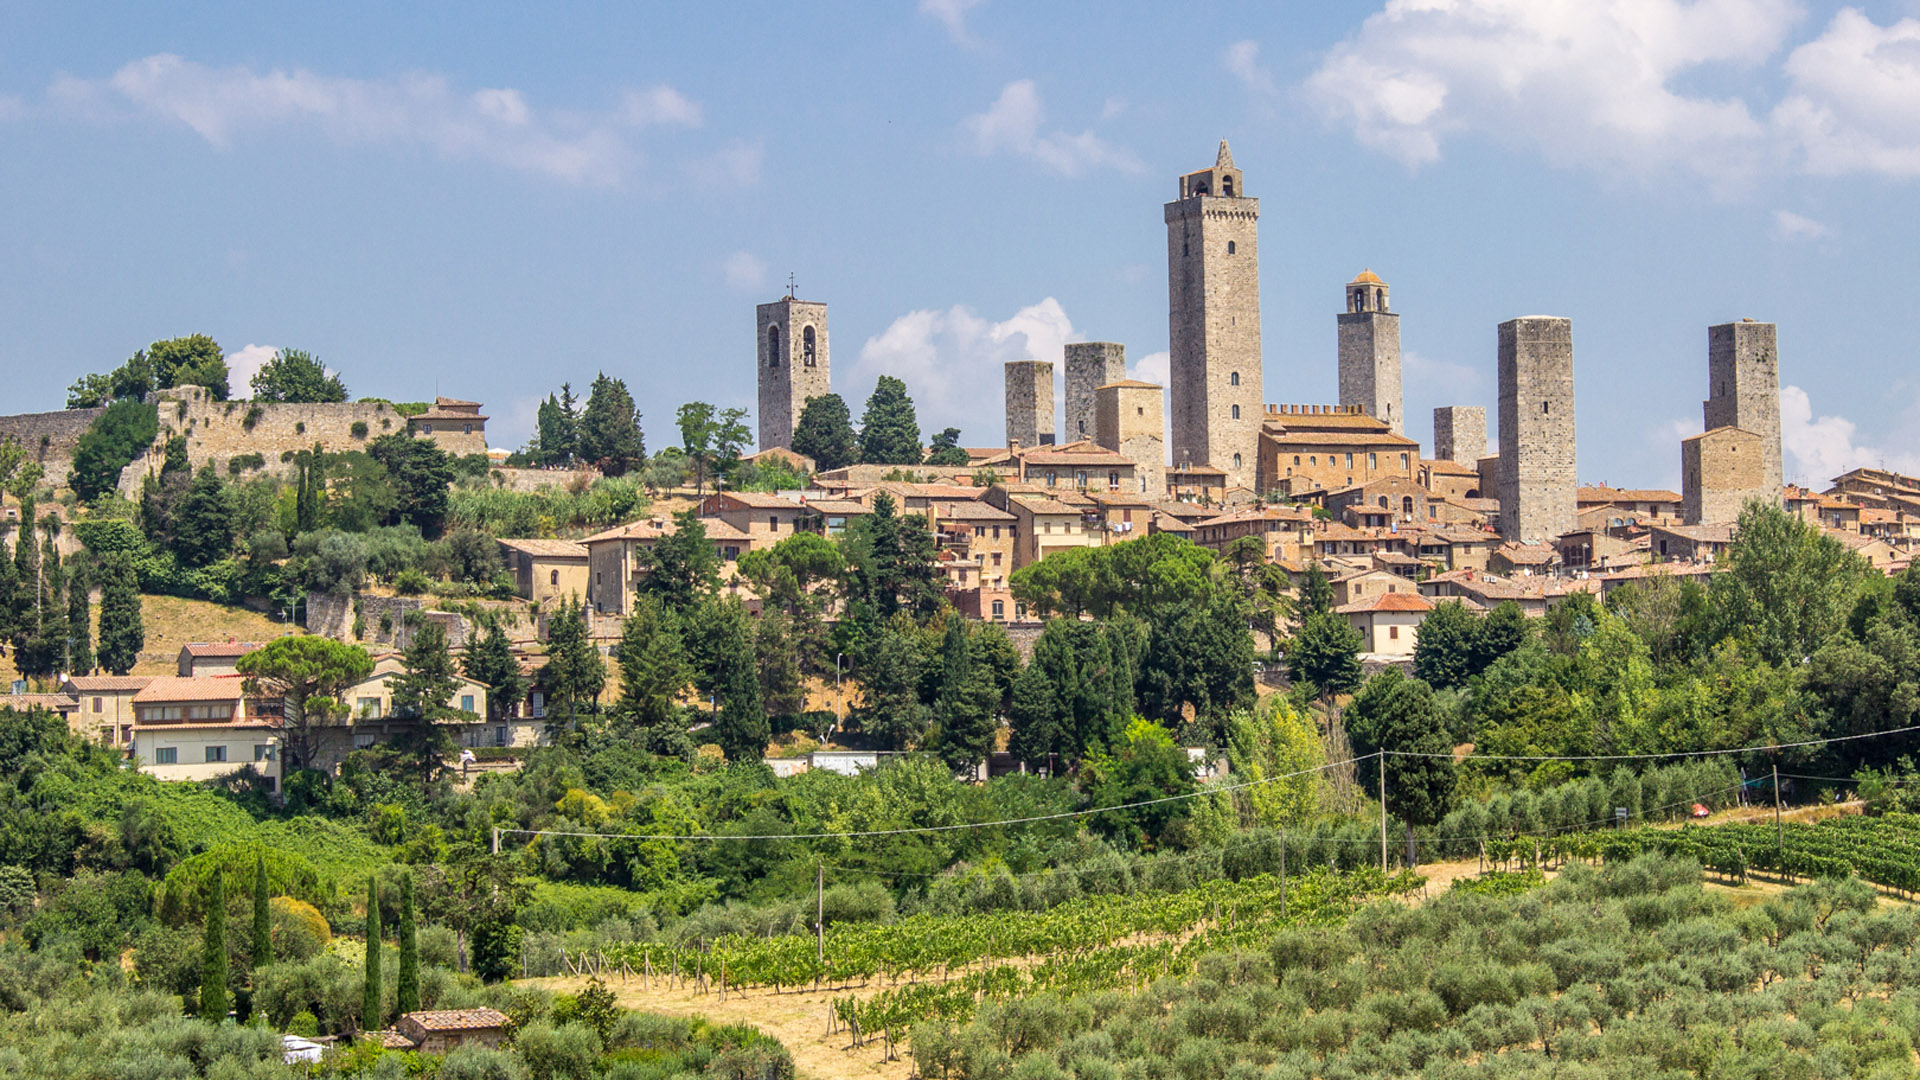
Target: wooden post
{"points": [[1779, 831], [1283, 875], [1383, 810], [496, 839], [819, 913]]}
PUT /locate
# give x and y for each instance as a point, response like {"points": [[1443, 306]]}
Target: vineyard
{"points": [[942, 966], [1884, 850]]}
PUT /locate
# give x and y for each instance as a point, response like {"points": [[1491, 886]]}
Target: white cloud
{"points": [[244, 364], [1820, 448], [1012, 125], [1155, 367], [1587, 82], [1242, 58], [738, 161], [1788, 225], [745, 271], [952, 15], [1446, 375], [951, 362], [490, 124], [1853, 104]]}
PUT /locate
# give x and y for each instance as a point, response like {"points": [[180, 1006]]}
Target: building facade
{"points": [[1537, 456], [1213, 281], [1369, 339], [1130, 420], [793, 364]]}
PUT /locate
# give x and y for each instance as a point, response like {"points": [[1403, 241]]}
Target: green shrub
{"points": [[115, 438], [358, 430], [411, 583], [240, 463], [254, 413]]}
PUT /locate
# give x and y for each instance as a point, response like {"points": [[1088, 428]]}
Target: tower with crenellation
{"points": [[792, 336], [1213, 285]]}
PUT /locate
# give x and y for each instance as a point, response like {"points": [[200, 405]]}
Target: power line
{"points": [[1651, 757]]}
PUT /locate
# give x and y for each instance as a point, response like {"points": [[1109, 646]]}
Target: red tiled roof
{"points": [[198, 688], [1390, 601], [221, 648], [103, 684], [457, 1019]]}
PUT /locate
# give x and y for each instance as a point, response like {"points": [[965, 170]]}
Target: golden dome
{"points": [[1367, 277]]}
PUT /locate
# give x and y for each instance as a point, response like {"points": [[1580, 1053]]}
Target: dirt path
{"points": [[798, 1020]]}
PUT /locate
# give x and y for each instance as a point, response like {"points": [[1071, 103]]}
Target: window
{"points": [[996, 536], [1312, 459], [1113, 480], [364, 740], [1236, 461], [1080, 478], [773, 346], [806, 346], [1403, 461], [996, 558], [1230, 247], [537, 704], [467, 429], [1296, 459], [1383, 502], [773, 522], [466, 702], [999, 609], [166, 755], [500, 731], [1236, 412], [553, 577], [733, 553], [1393, 633], [426, 429], [216, 754], [1050, 479], [262, 753], [1373, 461], [1233, 379], [1406, 505], [99, 704], [1546, 407]]}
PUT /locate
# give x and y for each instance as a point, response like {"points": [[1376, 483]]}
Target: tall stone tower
{"points": [[1537, 471], [1720, 472], [1460, 434], [1030, 402], [1743, 387], [1213, 284], [1130, 420], [1090, 366], [1370, 352], [793, 364]]}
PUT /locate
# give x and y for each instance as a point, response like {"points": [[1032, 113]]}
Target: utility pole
{"points": [[1283, 875], [496, 839], [1779, 832], [820, 912], [1383, 810]]}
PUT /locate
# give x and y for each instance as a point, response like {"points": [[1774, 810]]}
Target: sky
{"points": [[484, 202]]}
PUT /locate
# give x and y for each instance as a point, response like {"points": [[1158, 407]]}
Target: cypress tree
{"points": [[889, 433], [122, 634], [213, 959], [406, 983], [80, 620], [370, 1014], [262, 921], [825, 433]]}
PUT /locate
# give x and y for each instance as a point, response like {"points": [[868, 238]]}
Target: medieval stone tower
{"points": [[1743, 387], [1030, 402], [1537, 472], [1090, 366], [1213, 282], [1370, 352], [1460, 434], [1129, 419], [793, 364]]}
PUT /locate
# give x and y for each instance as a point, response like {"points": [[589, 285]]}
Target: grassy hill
{"points": [[172, 622]]}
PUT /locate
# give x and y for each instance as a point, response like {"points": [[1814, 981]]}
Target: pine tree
{"points": [[1034, 714], [964, 707], [575, 669], [203, 526], [406, 982], [608, 434], [741, 729], [262, 916], [777, 649], [213, 955], [825, 433], [122, 635], [490, 660], [653, 673], [889, 431], [421, 692], [1316, 592], [370, 1011]]}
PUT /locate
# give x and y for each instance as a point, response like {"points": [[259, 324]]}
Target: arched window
{"points": [[1230, 247], [1236, 412], [773, 346], [1226, 189], [553, 577], [1236, 461], [1383, 502], [1406, 505], [1233, 379], [806, 345]]}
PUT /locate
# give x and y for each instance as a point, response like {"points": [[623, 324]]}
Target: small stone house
{"points": [[436, 1031], [199, 658], [547, 571], [105, 711], [1389, 623]]}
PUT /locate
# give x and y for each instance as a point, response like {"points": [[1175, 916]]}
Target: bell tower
{"points": [[792, 366], [1370, 352]]}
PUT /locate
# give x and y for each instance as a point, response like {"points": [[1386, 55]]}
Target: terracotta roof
{"points": [[448, 401], [1604, 494], [457, 1019], [568, 549], [1527, 554], [1367, 277], [644, 529], [1391, 601], [1195, 470], [56, 702], [1166, 522], [1710, 534], [1337, 438], [1135, 384], [930, 491], [103, 684], [1073, 457], [1039, 504], [198, 688], [221, 648], [1450, 467], [757, 499], [839, 506], [970, 510]]}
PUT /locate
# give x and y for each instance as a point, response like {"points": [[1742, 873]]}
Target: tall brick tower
{"points": [[1213, 284], [1537, 471], [1370, 352], [1029, 402], [1743, 387], [793, 364], [1090, 366]]}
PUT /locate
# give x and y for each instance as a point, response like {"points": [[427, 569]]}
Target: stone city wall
{"points": [[49, 438]]}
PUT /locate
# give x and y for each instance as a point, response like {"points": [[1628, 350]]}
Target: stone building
{"points": [[1030, 403], [1369, 337], [792, 336], [547, 572], [1743, 388], [1537, 471], [1720, 472], [1128, 419], [1213, 282], [1090, 366], [1460, 434], [1328, 447]]}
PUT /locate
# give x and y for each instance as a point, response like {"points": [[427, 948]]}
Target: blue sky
{"points": [[484, 203]]}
